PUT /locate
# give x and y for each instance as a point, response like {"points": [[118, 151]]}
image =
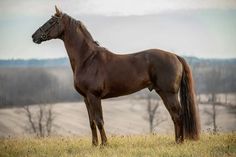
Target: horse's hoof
{"points": [[95, 143], [180, 140], [104, 144]]}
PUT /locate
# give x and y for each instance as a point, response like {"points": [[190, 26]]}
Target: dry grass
{"points": [[220, 145]]}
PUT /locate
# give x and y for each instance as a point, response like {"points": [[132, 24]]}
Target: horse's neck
{"points": [[78, 49]]}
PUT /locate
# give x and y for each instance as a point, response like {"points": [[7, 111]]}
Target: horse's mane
{"points": [[83, 29]]}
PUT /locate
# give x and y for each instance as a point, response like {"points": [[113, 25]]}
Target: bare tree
{"points": [[40, 121], [213, 78], [152, 113], [30, 119], [212, 113], [49, 120]]}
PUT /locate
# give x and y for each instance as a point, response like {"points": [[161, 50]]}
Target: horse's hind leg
{"points": [[173, 106], [96, 109]]}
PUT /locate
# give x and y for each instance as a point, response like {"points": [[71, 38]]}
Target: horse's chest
{"points": [[87, 84], [80, 86]]}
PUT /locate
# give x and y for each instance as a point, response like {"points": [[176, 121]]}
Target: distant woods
{"points": [[214, 76], [25, 86], [49, 82]]}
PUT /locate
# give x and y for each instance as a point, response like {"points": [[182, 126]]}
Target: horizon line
{"points": [[185, 56]]}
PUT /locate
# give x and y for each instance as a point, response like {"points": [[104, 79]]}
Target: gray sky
{"points": [[202, 28]]}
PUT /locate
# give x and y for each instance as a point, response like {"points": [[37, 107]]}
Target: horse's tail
{"points": [[191, 119]]}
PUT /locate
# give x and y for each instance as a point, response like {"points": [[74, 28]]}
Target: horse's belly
{"points": [[129, 86], [112, 94]]}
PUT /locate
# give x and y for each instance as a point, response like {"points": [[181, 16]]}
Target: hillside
{"points": [[122, 116]]}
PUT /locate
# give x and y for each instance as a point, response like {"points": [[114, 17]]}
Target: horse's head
{"points": [[52, 29]]}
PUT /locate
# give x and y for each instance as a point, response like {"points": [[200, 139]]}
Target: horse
{"points": [[100, 74]]}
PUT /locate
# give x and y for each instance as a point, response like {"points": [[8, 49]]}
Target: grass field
{"points": [[220, 145]]}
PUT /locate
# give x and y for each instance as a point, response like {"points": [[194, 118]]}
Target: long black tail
{"points": [[191, 118]]}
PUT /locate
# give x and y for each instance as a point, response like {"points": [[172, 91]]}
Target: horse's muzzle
{"points": [[36, 40]]}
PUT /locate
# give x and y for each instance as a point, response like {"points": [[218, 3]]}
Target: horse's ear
{"points": [[58, 12]]}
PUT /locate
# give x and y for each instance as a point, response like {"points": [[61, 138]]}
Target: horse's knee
{"points": [[99, 123], [92, 125]]}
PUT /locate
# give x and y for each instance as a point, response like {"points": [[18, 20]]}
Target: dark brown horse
{"points": [[99, 74]]}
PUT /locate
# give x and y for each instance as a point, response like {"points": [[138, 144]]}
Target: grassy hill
{"points": [[220, 145]]}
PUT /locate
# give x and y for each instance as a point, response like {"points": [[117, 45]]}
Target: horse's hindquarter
{"points": [[165, 70]]}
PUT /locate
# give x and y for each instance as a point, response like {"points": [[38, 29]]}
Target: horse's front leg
{"points": [[96, 110], [92, 123]]}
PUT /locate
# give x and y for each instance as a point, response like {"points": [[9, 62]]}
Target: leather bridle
{"points": [[47, 26]]}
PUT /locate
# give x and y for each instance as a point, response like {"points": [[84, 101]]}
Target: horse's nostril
{"points": [[34, 40]]}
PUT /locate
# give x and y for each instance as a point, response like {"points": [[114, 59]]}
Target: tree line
{"points": [[23, 86]]}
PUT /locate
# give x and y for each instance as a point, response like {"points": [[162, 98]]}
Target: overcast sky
{"points": [[201, 28]]}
